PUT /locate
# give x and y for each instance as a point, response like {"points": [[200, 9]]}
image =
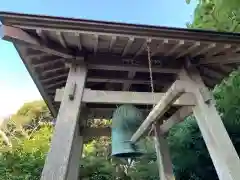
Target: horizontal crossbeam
{"points": [[125, 97]]}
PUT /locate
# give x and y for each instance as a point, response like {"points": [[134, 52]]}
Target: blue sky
{"points": [[17, 86]]}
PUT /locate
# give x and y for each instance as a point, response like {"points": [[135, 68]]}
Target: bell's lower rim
{"points": [[128, 155]]}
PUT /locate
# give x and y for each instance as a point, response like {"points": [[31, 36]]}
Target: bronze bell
{"points": [[125, 121]]}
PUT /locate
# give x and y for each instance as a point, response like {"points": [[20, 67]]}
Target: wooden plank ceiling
{"points": [[116, 53]]}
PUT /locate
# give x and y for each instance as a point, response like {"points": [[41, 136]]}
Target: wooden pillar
{"points": [[63, 160], [220, 147], [164, 161]]}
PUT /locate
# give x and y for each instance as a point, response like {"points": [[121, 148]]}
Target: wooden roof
{"points": [[115, 52]]}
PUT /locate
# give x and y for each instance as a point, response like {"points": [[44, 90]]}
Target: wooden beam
{"points": [[38, 55], [113, 63], [121, 81], [56, 84], [46, 72], [127, 85], [212, 73], [220, 49], [62, 162], [165, 167], [128, 45], [103, 80], [224, 59], [205, 49], [218, 142], [156, 69], [175, 48], [47, 80], [61, 39], [173, 93], [47, 63], [95, 48], [143, 47], [79, 39], [17, 35], [113, 41], [126, 97], [42, 35], [161, 45], [190, 49]]}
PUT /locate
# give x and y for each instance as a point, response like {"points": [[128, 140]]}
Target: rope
{"points": [[150, 70], [151, 80]]}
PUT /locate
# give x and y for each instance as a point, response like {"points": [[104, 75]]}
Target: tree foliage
{"points": [[30, 129]]}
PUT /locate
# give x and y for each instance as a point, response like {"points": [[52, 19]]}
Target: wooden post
{"points": [[220, 147], [63, 160], [163, 156]]}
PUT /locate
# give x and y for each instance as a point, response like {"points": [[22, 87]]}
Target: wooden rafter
{"points": [[46, 72], [42, 35], [143, 47], [47, 80], [220, 49], [62, 39], [127, 46], [46, 63], [121, 81], [212, 73], [175, 48], [205, 49], [112, 42], [56, 84], [190, 49], [38, 55], [160, 46], [78, 37], [95, 48], [224, 59], [19, 36]]}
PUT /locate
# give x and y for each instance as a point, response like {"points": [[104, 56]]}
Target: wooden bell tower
{"points": [[84, 68]]}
